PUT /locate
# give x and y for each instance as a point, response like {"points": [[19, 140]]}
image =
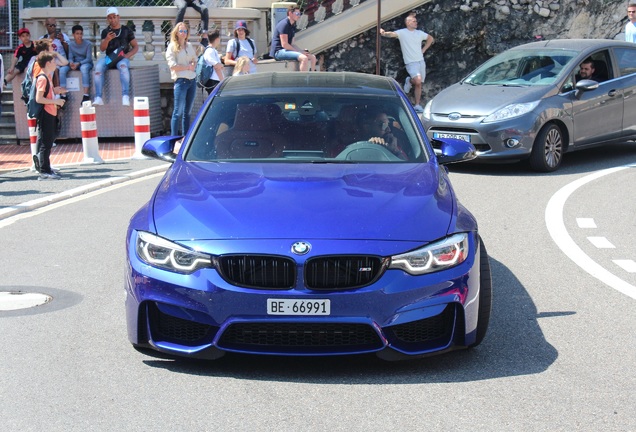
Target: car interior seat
{"points": [[538, 68], [600, 71], [251, 135]]}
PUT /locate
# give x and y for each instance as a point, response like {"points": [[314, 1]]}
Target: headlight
{"points": [[159, 252], [438, 256], [427, 110], [511, 111]]}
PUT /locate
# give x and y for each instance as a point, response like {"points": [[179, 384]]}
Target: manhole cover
{"points": [[14, 300]]}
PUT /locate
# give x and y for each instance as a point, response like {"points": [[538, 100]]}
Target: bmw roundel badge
{"points": [[301, 248]]}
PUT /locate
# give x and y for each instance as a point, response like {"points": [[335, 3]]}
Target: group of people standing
{"points": [[182, 57]]}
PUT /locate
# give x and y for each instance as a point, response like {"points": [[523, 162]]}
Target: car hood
{"points": [[481, 100], [397, 202]]}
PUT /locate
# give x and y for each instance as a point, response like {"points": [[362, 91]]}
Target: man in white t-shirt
{"points": [[630, 28], [413, 53]]}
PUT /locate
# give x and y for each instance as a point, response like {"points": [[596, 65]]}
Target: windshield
{"points": [[522, 68], [317, 127]]}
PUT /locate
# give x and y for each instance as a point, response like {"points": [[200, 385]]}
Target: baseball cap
{"points": [[240, 24], [23, 30], [111, 11]]}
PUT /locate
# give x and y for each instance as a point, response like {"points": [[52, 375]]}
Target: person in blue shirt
{"points": [[80, 57], [283, 47]]}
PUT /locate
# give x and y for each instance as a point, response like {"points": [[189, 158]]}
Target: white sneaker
{"points": [[407, 85], [125, 100], [418, 108], [98, 101]]}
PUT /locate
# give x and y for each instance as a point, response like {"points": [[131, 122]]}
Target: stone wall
{"points": [[468, 32]]}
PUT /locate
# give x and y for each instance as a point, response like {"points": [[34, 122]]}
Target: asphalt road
{"points": [[559, 355]]}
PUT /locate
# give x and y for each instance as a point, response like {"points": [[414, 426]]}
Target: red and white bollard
{"points": [[33, 137], [89, 134], [142, 125]]}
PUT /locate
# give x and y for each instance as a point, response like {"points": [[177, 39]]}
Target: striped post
{"points": [[142, 125], [89, 134], [33, 137]]}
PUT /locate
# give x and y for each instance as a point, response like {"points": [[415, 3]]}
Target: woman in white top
{"points": [[182, 59], [211, 57]]}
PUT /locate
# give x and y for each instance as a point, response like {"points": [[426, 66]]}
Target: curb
{"points": [[81, 190]]}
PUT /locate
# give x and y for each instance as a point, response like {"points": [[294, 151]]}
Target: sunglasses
{"points": [[298, 13], [183, 31], [51, 25]]}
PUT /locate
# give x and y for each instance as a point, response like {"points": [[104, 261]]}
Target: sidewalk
{"points": [[20, 190]]}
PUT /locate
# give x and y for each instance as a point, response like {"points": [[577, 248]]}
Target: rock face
{"points": [[468, 32]]}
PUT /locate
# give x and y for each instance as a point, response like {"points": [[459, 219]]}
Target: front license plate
{"points": [[298, 307], [462, 137]]}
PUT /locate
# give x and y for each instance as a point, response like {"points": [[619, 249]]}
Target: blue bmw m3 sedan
{"points": [[306, 214]]}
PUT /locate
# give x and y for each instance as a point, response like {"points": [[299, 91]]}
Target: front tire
{"points": [[485, 295], [547, 151]]}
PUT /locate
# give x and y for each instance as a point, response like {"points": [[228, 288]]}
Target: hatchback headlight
{"points": [[427, 110], [511, 111], [437, 256], [159, 252]]}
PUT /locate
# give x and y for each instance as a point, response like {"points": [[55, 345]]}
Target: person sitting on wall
{"points": [[80, 55], [119, 45], [241, 46], [199, 6], [59, 42], [282, 42], [22, 55]]}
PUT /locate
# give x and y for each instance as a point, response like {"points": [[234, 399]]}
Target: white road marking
{"points": [[601, 242], [628, 265], [558, 232], [39, 206], [586, 223]]}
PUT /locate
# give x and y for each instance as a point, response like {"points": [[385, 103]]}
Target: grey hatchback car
{"points": [[530, 102]]}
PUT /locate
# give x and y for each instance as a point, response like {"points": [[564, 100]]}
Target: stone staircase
{"points": [[7, 121]]}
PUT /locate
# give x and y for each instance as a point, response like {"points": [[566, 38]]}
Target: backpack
{"points": [[27, 83], [203, 70], [34, 109]]}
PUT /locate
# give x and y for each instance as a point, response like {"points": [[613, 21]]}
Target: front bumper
{"points": [[201, 315], [492, 140]]}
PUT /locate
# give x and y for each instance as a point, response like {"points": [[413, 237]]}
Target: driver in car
{"points": [[375, 126], [587, 71]]}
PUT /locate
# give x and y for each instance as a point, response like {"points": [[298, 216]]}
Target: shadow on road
{"points": [[514, 345], [578, 162]]}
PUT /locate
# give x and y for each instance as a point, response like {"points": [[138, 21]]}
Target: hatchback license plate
{"points": [[298, 307], [462, 137]]}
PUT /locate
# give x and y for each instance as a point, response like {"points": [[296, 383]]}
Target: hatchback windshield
{"points": [[523, 68], [310, 127]]}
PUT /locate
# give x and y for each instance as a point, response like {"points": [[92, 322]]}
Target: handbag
{"points": [[114, 57]]}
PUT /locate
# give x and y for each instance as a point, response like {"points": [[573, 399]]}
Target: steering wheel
{"points": [[365, 151]]}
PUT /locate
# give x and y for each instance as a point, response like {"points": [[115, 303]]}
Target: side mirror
{"points": [[161, 148], [586, 85], [452, 150]]}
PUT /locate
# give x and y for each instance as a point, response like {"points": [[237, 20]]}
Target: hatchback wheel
{"points": [[547, 151]]}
